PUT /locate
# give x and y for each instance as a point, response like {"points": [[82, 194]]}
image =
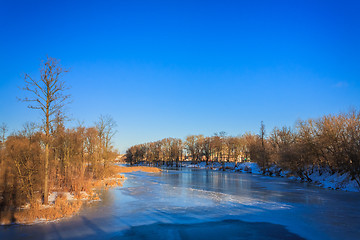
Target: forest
{"points": [[45, 157], [330, 142]]}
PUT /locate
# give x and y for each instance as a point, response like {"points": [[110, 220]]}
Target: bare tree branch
{"points": [[47, 95]]}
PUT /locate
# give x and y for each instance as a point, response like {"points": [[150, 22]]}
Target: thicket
{"points": [[47, 157], [331, 142]]}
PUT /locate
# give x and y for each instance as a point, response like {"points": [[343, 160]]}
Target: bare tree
{"points": [[3, 130], [219, 145], [193, 146], [262, 133], [29, 129], [207, 148], [106, 130], [47, 95]]}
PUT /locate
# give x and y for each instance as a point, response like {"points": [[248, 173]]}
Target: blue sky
{"points": [[174, 68]]}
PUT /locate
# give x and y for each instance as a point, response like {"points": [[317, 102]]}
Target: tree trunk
{"points": [[47, 133], [46, 187]]}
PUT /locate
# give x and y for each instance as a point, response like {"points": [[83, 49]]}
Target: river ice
{"points": [[205, 204]]}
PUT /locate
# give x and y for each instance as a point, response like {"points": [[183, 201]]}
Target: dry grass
{"points": [[6, 217], [138, 168], [114, 182], [62, 208], [115, 179]]}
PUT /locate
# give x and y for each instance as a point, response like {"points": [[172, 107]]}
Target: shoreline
{"points": [[64, 205], [322, 178]]}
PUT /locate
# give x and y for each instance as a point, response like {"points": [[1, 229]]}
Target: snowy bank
{"points": [[318, 176]]}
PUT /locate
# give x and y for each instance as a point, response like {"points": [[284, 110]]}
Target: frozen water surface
{"points": [[205, 204]]}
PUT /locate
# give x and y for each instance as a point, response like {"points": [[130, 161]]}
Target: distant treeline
{"points": [[331, 142]]}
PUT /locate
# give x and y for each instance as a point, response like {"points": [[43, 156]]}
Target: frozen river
{"points": [[205, 204]]}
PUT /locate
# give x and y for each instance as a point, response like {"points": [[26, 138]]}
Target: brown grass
{"points": [[62, 208], [116, 181], [138, 168]]}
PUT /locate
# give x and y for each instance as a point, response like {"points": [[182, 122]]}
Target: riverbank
{"points": [[63, 204], [324, 178], [317, 176]]}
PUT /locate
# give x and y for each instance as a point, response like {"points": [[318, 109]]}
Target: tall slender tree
{"points": [[3, 130], [262, 133], [48, 95], [106, 129]]}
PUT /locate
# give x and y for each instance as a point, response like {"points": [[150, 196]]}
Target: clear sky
{"points": [[174, 68]]}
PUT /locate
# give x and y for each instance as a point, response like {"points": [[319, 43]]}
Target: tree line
{"points": [[330, 142], [170, 151], [49, 156]]}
